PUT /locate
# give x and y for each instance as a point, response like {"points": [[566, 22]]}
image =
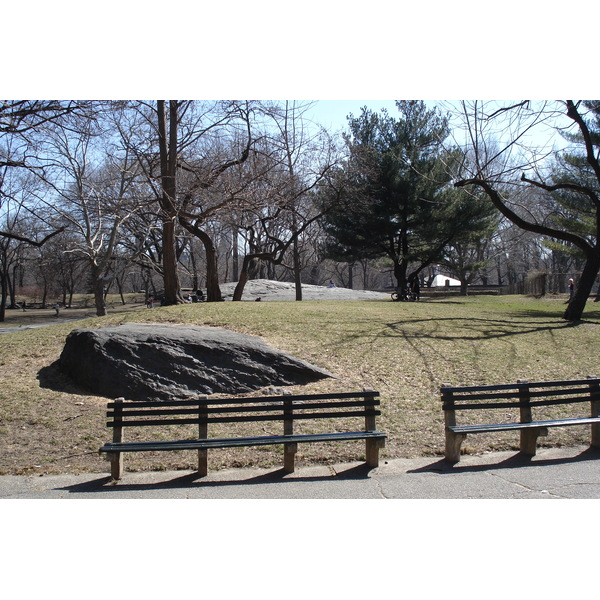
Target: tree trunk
{"points": [[576, 306], [170, 275], [99, 302], [120, 288], [243, 279], [195, 278], [213, 291], [44, 292], [3, 296], [247, 263], [168, 172], [400, 267], [12, 282], [235, 255], [351, 276], [297, 269]]}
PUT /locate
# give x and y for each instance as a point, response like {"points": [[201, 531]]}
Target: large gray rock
{"points": [[160, 362]]}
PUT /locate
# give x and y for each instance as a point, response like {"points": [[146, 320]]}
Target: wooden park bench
{"points": [[204, 411], [525, 397]]}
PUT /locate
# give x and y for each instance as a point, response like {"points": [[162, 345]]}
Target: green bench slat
{"points": [[515, 426], [517, 403], [250, 400], [237, 442], [242, 418], [515, 386], [134, 411]]}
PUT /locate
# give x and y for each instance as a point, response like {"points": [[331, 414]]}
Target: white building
{"points": [[440, 281]]}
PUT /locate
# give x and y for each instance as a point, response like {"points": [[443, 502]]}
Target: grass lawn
{"points": [[404, 350]]}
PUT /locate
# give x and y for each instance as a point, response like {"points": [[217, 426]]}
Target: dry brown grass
{"points": [[406, 351]]}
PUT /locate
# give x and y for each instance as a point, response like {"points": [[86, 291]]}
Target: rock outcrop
{"points": [[161, 362]]}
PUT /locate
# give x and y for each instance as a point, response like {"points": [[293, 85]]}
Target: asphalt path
{"points": [[554, 473], [242, 544]]}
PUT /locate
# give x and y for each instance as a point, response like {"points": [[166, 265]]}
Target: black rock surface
{"points": [[160, 362]]}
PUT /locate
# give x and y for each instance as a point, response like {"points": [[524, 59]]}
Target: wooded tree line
{"points": [[156, 196]]}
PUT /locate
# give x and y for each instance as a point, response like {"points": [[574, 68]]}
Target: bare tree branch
{"points": [[592, 160], [501, 205], [14, 236], [564, 186]]}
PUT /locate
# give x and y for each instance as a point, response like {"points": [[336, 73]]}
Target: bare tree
{"points": [[21, 220], [211, 189], [95, 198], [167, 143], [502, 184], [194, 151], [283, 210], [9, 255], [23, 124]]}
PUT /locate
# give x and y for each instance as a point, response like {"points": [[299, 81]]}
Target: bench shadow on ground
{"points": [[193, 480], [443, 467]]}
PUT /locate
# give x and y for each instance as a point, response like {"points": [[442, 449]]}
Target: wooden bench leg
{"points": [[203, 463], [595, 412], [453, 443], [528, 439], [372, 451], [289, 457], [116, 464], [596, 435], [202, 435], [116, 458]]}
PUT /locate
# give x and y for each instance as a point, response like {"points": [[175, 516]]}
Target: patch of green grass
{"points": [[404, 350]]}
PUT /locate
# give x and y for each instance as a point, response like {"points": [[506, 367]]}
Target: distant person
{"points": [[331, 284], [57, 309], [571, 289], [200, 295], [150, 302]]}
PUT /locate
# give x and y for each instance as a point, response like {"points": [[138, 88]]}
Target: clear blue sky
{"points": [[332, 113]]}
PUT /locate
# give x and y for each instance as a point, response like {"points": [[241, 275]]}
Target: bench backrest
{"points": [[203, 410], [523, 395]]}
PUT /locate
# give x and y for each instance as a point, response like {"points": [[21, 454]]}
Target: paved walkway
{"points": [[552, 473]]}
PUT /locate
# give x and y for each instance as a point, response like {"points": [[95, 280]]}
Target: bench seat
{"points": [[465, 429], [267, 440]]}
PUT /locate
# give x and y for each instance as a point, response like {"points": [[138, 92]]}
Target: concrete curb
{"points": [[552, 473]]}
